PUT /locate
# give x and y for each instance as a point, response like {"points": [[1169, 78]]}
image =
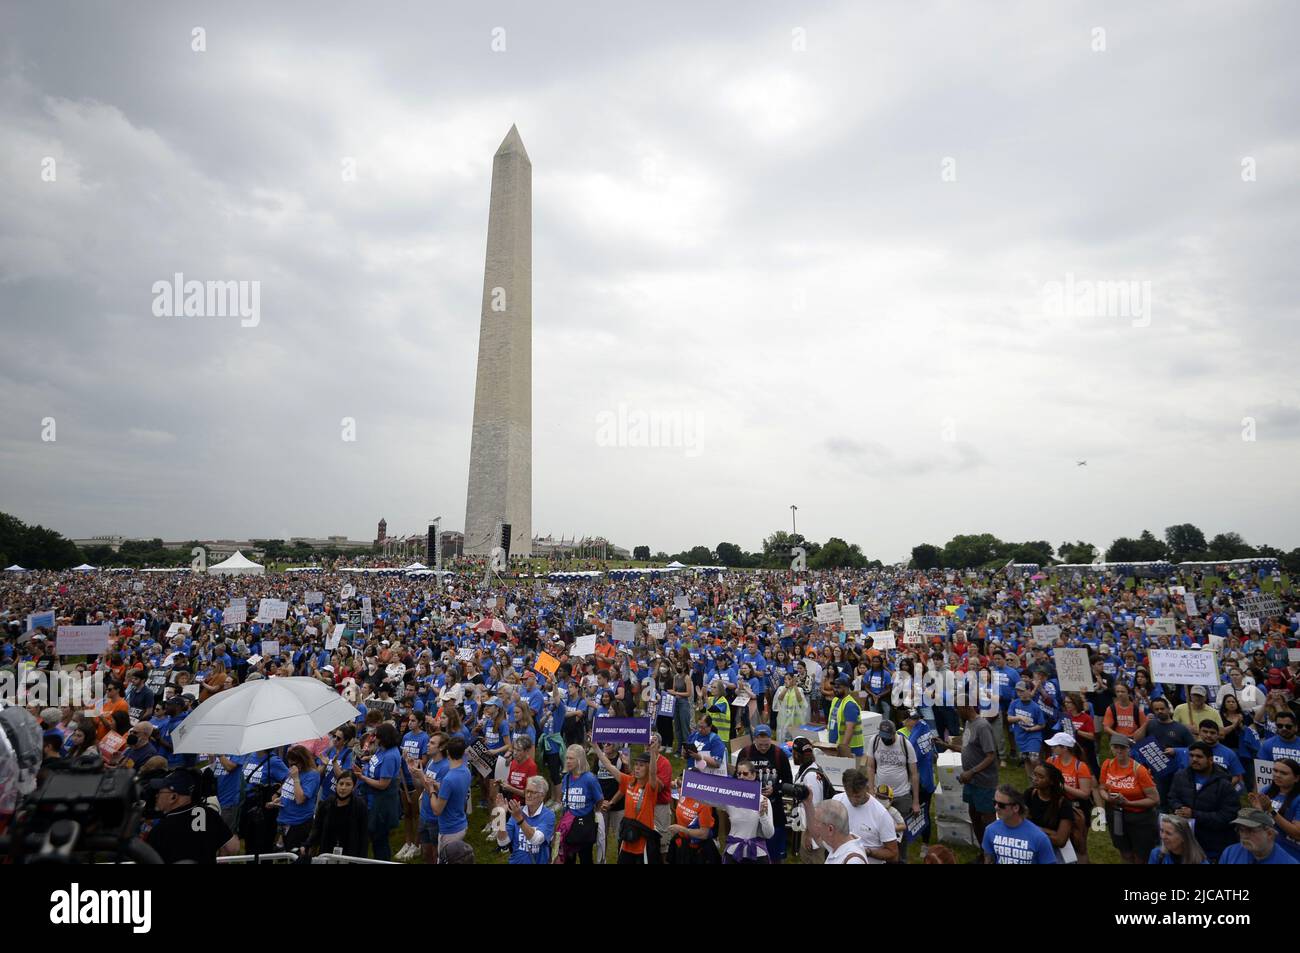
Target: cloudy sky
{"points": [[841, 253]]}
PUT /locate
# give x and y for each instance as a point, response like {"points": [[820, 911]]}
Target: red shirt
{"points": [[520, 773]]}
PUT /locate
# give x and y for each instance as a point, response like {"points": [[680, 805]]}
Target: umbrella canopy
{"points": [[261, 714], [491, 624]]}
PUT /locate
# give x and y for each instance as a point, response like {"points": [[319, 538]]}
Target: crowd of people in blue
{"points": [[478, 699]]}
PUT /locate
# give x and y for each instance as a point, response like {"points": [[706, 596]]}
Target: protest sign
{"points": [[828, 613], [995, 616], [681, 602], [270, 647], [82, 639], [1178, 667], [933, 625], [112, 743], [1046, 633], [276, 610], [1189, 601], [1073, 670], [478, 758], [882, 640], [852, 618], [722, 791], [583, 646], [177, 628], [620, 731], [1263, 774], [800, 590], [658, 629], [137, 587], [1153, 756], [912, 631], [465, 655], [348, 591], [1248, 623], [336, 636], [1293, 655], [1161, 626], [315, 598], [40, 620], [624, 631], [667, 705], [1261, 607], [234, 616], [553, 591], [191, 690], [546, 665]]}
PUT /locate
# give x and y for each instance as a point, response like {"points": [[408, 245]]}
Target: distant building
{"points": [[587, 547], [383, 532], [112, 542]]}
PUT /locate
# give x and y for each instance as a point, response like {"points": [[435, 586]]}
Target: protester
{"points": [[1128, 793], [531, 825], [750, 829], [1258, 840], [869, 821], [1012, 838], [340, 822], [1177, 843]]}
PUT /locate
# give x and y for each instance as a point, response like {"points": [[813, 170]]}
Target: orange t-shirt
{"points": [[605, 655], [688, 809], [1130, 781], [1126, 721], [105, 723], [1073, 772], [634, 796]]}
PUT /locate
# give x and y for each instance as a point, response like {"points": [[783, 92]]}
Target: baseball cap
{"points": [[1253, 817], [1061, 738], [1198, 690], [763, 730], [181, 782], [845, 681], [801, 744], [1121, 741]]}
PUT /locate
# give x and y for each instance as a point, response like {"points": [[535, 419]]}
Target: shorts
{"points": [[980, 799], [429, 833]]}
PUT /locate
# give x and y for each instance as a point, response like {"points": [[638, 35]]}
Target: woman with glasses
{"points": [[297, 800], [337, 759], [749, 830]]}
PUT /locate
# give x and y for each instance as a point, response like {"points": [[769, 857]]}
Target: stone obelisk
{"points": [[501, 446]]}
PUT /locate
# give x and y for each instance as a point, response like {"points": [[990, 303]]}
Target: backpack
{"points": [[828, 789]]}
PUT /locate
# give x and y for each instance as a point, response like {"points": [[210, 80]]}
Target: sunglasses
{"points": [[1001, 804]]}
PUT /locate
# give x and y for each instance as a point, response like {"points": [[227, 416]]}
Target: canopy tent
{"points": [[84, 567], [15, 568], [415, 565], [675, 565], [237, 565]]}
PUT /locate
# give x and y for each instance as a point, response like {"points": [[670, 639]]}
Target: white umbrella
{"points": [[261, 714]]}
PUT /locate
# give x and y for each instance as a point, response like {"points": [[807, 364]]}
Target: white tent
{"points": [[416, 565], [237, 565], [675, 565], [84, 567], [15, 568]]}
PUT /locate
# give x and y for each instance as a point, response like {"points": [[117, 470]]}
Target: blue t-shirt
{"points": [[1024, 844], [1288, 813], [1236, 854], [1158, 856], [1271, 749], [228, 781], [922, 739], [454, 789], [1027, 742], [436, 770], [582, 794], [384, 763], [291, 812], [523, 852], [712, 745], [256, 769], [330, 758]]}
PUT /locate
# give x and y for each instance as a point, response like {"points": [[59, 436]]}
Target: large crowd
{"points": [[866, 732]]}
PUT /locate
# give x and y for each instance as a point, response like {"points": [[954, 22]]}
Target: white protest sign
{"points": [[1179, 667], [828, 612], [191, 690], [852, 618], [583, 646], [1189, 600], [800, 590], [81, 639], [882, 640], [312, 631], [658, 630], [177, 628], [1248, 623], [681, 602], [933, 625], [553, 591], [912, 631], [232, 615], [510, 611], [1046, 633], [137, 587], [1073, 670], [315, 598], [1216, 643], [1178, 590], [348, 591], [336, 636], [624, 631], [1161, 626], [1293, 655], [1263, 774], [270, 647]]}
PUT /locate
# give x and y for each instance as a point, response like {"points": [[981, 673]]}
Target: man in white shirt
{"points": [[891, 761], [831, 822], [869, 821]]}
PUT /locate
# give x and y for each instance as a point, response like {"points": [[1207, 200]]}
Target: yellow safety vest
{"points": [[837, 716], [719, 711]]}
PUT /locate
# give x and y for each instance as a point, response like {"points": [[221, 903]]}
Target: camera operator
{"points": [[809, 775], [188, 830]]}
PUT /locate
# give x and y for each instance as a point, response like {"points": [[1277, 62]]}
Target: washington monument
{"points": [[501, 446]]}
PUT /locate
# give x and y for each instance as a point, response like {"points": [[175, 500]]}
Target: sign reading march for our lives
{"points": [[624, 631], [82, 639], [828, 612], [1179, 667], [1073, 670], [1153, 756], [722, 791], [620, 731]]}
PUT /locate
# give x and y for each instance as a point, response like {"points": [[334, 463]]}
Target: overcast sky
{"points": [[749, 232]]}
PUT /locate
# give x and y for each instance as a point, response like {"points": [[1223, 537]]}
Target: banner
{"points": [[828, 612], [624, 631], [722, 791], [619, 731], [583, 646], [1073, 670], [1261, 607], [1178, 667], [1153, 756], [852, 616], [315, 598], [1162, 626], [82, 639]]}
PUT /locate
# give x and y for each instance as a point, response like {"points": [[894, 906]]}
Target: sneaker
{"points": [[407, 852]]}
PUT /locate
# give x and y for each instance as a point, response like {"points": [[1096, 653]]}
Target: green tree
{"points": [[1146, 548], [1229, 546], [837, 554], [1038, 551], [968, 552], [35, 547], [641, 552], [729, 554], [1077, 553], [926, 556], [1185, 542]]}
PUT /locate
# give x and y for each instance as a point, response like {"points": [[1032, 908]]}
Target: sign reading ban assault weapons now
{"points": [[620, 731], [722, 791]]}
